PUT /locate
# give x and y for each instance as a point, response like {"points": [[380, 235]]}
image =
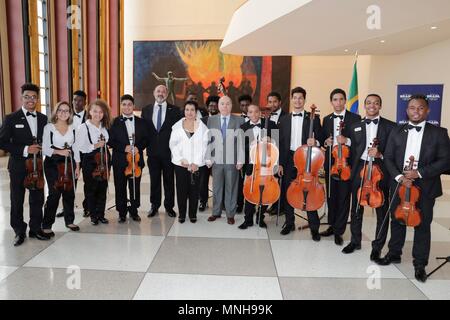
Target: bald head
{"points": [[160, 93], [225, 106]]}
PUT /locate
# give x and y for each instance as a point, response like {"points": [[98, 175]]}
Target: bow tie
{"points": [[125, 118], [338, 116], [297, 114], [243, 115], [31, 114], [77, 115], [255, 125], [369, 121], [418, 128]]}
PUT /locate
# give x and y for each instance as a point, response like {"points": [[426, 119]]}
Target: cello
{"points": [[66, 180], [261, 187], [340, 170], [100, 172], [305, 192], [34, 179], [407, 212]]}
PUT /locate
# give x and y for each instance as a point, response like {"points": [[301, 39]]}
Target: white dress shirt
{"points": [[336, 127], [82, 143], [32, 122], [78, 120], [256, 129], [130, 125], [371, 133], [276, 116], [59, 140], [155, 113], [297, 131]]}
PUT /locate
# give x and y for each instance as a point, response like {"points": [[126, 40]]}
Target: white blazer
{"points": [[193, 149]]}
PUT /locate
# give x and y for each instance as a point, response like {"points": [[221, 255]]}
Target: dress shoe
{"points": [[73, 227], [351, 247], [19, 240], [388, 259], [420, 274], [40, 235], [181, 220], [122, 220], [272, 211], [86, 213], [171, 213], [338, 240], [230, 221], [103, 220], [94, 221], [245, 225], [193, 220], [213, 218], [153, 211], [327, 233], [262, 224], [60, 214], [287, 229], [375, 255], [315, 236], [136, 218], [50, 233], [239, 209], [202, 206]]}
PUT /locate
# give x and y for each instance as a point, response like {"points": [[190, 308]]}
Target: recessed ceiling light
{"points": [[434, 28], [382, 41], [346, 50]]}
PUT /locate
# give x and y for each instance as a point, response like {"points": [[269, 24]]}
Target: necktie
{"points": [[77, 115], [31, 114], [338, 116], [255, 125], [158, 123], [224, 128], [369, 121], [410, 127], [243, 115], [125, 119], [297, 114]]}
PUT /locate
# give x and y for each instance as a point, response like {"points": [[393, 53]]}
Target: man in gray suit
{"points": [[226, 156]]}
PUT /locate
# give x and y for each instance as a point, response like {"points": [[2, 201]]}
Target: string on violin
{"points": [[34, 179]]}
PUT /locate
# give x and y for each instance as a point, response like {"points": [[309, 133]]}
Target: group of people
{"points": [[192, 143]]}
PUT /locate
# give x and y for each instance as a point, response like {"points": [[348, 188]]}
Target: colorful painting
{"points": [[197, 66]]}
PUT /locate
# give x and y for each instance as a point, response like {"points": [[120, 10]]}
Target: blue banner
{"points": [[432, 91]]}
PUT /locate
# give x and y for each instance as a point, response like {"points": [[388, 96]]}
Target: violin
{"points": [[133, 169], [100, 172], [407, 212], [306, 192], [369, 193], [34, 179], [262, 188], [340, 170], [65, 181]]}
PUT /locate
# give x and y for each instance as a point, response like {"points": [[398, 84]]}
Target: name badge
{"points": [[20, 126], [357, 129]]}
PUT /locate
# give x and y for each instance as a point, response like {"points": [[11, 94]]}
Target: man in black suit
{"points": [[429, 146], [127, 130], [294, 132], [20, 135], [339, 198], [362, 135], [253, 130], [160, 117]]}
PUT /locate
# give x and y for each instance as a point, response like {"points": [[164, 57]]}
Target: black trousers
{"points": [[357, 217], [187, 189], [240, 196], [120, 186], [51, 205], [205, 173], [338, 204], [158, 165], [95, 190], [290, 173], [422, 233], [17, 174]]}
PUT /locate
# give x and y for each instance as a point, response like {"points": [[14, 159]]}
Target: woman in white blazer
{"points": [[188, 144]]}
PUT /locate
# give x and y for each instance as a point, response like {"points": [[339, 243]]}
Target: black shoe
{"points": [[388, 259], [315, 236], [202, 206], [122, 219], [287, 229], [136, 218], [74, 227], [351, 247], [239, 209], [245, 225], [338, 240], [40, 235], [262, 224], [375, 255], [86, 213], [171, 213], [181, 220], [103, 220], [19, 240], [420, 274], [153, 211], [49, 234], [193, 220], [60, 214], [94, 221], [272, 211], [327, 233]]}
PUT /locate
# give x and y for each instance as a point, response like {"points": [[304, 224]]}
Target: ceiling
{"points": [[335, 27]]}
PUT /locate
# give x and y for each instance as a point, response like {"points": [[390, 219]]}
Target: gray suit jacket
{"points": [[229, 150]]}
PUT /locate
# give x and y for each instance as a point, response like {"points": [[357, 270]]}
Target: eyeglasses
{"points": [[63, 111], [26, 97]]}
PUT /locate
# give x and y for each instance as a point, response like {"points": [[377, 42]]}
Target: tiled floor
{"points": [[159, 258]]}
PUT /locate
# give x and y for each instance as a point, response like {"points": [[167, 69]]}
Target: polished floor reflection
{"points": [[159, 258]]}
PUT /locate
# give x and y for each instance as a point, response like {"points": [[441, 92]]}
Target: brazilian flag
{"points": [[353, 102]]}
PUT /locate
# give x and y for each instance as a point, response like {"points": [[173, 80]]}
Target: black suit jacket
{"points": [[118, 140], [158, 143], [15, 135], [249, 138], [434, 157], [285, 134], [358, 136]]}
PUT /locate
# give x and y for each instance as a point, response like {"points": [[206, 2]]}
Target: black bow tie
{"points": [[125, 119], [255, 125], [31, 114], [369, 121], [77, 115], [338, 116], [418, 128], [297, 114], [243, 115]]}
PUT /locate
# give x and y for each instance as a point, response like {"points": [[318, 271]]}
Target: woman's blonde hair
{"points": [[106, 121], [54, 117]]}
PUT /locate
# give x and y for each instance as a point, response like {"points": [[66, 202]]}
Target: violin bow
{"points": [[134, 169], [73, 172]]}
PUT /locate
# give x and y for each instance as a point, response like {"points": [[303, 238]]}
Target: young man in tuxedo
{"points": [[127, 131], [430, 147], [362, 135], [160, 117], [294, 132], [253, 130], [20, 135], [339, 198]]}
